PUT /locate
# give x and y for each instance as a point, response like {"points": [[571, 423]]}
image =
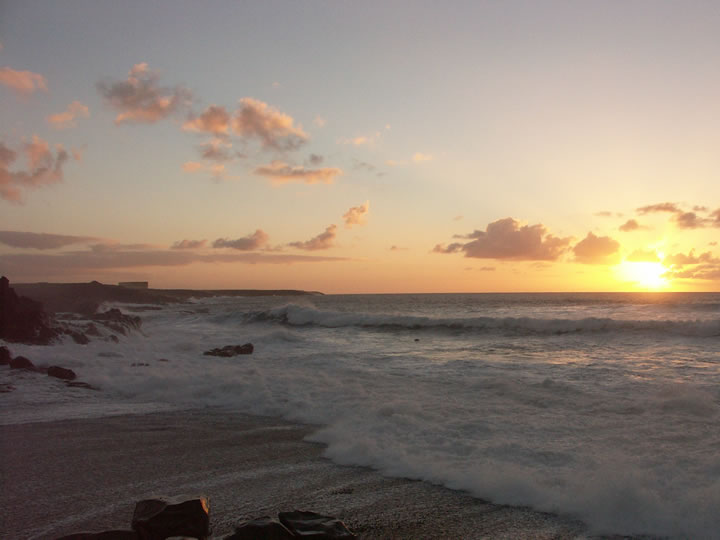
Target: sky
{"points": [[362, 147]]}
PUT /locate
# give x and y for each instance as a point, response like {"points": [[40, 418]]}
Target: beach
{"points": [[86, 475]]}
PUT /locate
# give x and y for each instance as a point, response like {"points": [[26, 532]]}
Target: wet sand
{"points": [[86, 475]]}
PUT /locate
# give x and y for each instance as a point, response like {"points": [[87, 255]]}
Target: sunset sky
{"points": [[338, 146]]}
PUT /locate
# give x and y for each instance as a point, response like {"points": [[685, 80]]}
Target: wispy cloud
{"points": [[189, 244], [281, 172], [659, 207], [632, 225], [67, 118], [22, 82], [419, 157], [32, 240], [139, 98], [45, 167], [214, 120], [192, 166]]}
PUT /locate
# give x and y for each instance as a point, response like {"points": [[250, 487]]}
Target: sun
{"points": [[646, 275]]}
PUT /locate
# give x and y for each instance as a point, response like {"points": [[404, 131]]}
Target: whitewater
{"points": [[603, 407]]}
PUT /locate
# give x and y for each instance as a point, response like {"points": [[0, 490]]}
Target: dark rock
{"points": [[139, 364], [114, 338], [61, 373], [92, 330], [6, 388], [20, 362], [157, 519], [110, 354], [163, 360], [80, 384], [104, 535], [5, 356], [78, 337], [313, 525], [231, 350], [22, 319], [262, 528]]}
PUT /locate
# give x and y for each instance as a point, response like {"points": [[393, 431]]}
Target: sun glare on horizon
{"points": [[645, 275]]}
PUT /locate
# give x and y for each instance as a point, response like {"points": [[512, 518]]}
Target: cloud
{"points": [[250, 242], [356, 215], [680, 259], [398, 248], [597, 250], [139, 99], [44, 168], [66, 119], [507, 239], [703, 267], [419, 157], [214, 120], [315, 159], [275, 130], [189, 244], [75, 262], [632, 225], [279, 171], [323, 240], [640, 255], [42, 240], [361, 140], [715, 216], [319, 121], [216, 150], [192, 166], [22, 82], [660, 207], [690, 220]]}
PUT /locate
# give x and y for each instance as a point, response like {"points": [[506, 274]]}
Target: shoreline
{"points": [[80, 475]]}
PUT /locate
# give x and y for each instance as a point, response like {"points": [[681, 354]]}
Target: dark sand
{"points": [[86, 475]]}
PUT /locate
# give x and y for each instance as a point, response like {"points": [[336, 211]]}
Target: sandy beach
{"points": [[86, 475]]}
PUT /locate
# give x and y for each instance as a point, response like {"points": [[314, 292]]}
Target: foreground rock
{"points": [[5, 356], [231, 350], [20, 362], [117, 321], [61, 373], [23, 320], [313, 525], [157, 519], [262, 528]]}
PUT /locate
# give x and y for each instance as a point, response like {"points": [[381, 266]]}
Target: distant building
{"points": [[134, 284]]}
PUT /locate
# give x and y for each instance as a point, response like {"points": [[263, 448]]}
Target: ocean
{"points": [[603, 407]]}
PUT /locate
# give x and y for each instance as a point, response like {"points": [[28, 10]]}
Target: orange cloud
{"points": [[66, 119], [217, 150], [419, 157], [507, 239], [356, 215], [42, 240], [215, 120], [660, 207], [22, 82], [690, 220], [189, 244], [631, 225], [276, 130], [323, 240], [597, 250], [139, 99], [44, 168], [192, 166], [279, 171], [247, 243]]}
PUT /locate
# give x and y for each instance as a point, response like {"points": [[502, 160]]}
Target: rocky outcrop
{"points": [[231, 350], [312, 525], [61, 373], [117, 321], [105, 535], [157, 519], [23, 320]]}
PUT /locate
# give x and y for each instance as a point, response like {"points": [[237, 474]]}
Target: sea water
{"points": [[605, 407]]}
